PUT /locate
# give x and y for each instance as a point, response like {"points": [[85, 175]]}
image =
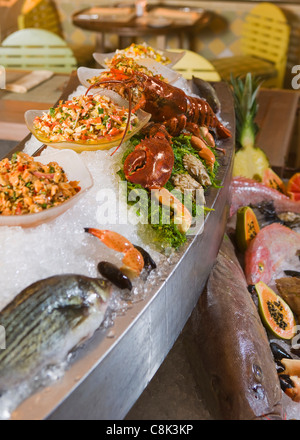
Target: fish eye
{"points": [[261, 267]]}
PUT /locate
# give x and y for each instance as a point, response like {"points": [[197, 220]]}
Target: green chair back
{"points": [[35, 49]]}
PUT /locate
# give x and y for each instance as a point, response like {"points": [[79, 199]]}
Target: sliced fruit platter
{"points": [[102, 264]]}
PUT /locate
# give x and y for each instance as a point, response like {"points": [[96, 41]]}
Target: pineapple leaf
{"points": [[245, 102]]}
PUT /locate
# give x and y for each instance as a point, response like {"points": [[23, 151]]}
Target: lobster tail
{"points": [[201, 113]]}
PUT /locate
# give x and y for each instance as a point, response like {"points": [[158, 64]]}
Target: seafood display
{"points": [[176, 149], [170, 146], [46, 321], [28, 186]]}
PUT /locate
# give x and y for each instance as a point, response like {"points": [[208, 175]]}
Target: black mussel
{"points": [[286, 382], [114, 275], [149, 263], [207, 91], [292, 273], [279, 352]]}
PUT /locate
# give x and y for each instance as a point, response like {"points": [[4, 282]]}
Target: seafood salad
{"points": [[28, 187], [140, 51], [126, 65], [85, 118]]}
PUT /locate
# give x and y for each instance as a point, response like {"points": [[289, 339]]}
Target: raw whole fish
{"points": [[46, 321], [207, 91], [247, 191], [228, 347], [269, 252]]}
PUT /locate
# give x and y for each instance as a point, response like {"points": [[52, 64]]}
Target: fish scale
{"points": [[46, 320]]}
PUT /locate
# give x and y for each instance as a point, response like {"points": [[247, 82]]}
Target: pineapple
{"points": [[250, 161]]}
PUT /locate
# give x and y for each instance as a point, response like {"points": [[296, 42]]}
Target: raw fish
{"points": [[207, 91], [46, 321], [247, 191], [228, 347], [269, 252]]}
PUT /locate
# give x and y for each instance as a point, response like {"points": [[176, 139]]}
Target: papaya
{"points": [[247, 227], [275, 312], [293, 187], [272, 180]]}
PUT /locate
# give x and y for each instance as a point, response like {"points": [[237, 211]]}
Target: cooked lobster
{"points": [[166, 103]]}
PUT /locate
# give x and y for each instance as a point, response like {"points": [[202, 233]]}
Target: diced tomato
{"points": [[19, 208], [114, 131]]}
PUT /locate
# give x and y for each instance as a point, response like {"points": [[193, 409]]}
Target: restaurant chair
{"points": [[264, 45], [43, 14], [35, 49], [193, 64]]}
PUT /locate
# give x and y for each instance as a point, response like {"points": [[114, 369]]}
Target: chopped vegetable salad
{"points": [[28, 187], [141, 51], [84, 119]]}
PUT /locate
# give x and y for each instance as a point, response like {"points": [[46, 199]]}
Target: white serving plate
{"points": [[86, 73], [75, 169], [103, 144]]}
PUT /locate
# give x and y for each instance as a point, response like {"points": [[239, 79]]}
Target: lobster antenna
{"points": [[128, 120], [116, 81]]}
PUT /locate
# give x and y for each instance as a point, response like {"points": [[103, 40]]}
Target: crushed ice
{"points": [[62, 246]]}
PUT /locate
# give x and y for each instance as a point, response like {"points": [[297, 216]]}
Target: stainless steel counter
{"points": [[111, 370]]}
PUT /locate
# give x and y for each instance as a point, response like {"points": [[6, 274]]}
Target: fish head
{"points": [[83, 298], [258, 265], [98, 293]]}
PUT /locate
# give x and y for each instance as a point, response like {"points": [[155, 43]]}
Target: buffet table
{"points": [[113, 368]]}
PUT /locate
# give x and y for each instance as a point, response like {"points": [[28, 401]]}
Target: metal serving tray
{"points": [[112, 369]]}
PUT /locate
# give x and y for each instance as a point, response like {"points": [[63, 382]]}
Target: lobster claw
{"points": [[137, 161], [151, 162]]}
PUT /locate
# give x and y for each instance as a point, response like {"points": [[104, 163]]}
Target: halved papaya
{"points": [[275, 312], [272, 180], [293, 187], [247, 227]]}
